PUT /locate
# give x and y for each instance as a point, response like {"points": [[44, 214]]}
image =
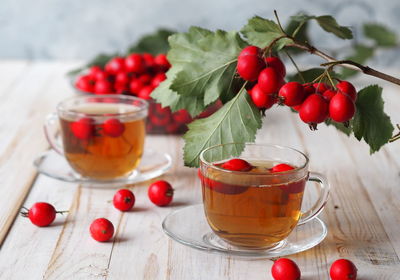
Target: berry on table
{"points": [[101, 230], [285, 269], [102, 87], [135, 63], [41, 214], [341, 108], [113, 127], [237, 164], [160, 193], [115, 65], [85, 83], [343, 269], [292, 94], [124, 200]]}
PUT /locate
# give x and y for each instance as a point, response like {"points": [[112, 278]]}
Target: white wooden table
{"points": [[363, 213]]}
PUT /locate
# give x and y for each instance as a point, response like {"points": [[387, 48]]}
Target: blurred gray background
{"points": [[61, 29]]}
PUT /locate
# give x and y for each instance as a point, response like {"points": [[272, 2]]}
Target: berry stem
{"points": [[295, 65], [330, 78], [344, 63], [279, 22]]}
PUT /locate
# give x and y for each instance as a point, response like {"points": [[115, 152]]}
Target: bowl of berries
{"points": [[137, 74]]}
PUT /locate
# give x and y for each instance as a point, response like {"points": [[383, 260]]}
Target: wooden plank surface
{"points": [[362, 213]]}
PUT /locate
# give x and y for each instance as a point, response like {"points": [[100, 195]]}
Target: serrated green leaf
{"points": [[382, 35], [154, 43], [237, 121], [360, 54], [301, 29], [261, 32], [328, 23], [207, 61], [370, 122]]}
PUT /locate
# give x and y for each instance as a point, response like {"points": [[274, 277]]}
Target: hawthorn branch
{"points": [[331, 61]]}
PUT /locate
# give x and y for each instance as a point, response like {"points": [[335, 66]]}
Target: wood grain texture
{"points": [[362, 213]]}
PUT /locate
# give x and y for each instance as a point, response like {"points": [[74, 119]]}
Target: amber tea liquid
{"points": [[99, 155], [252, 210]]}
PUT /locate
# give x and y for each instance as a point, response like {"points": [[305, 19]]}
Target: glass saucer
{"points": [[152, 165], [189, 227]]}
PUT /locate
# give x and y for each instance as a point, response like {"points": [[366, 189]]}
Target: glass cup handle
{"points": [[51, 133], [321, 201]]}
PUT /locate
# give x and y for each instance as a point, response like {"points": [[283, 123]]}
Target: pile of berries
{"points": [[315, 102], [137, 75], [160, 193]]}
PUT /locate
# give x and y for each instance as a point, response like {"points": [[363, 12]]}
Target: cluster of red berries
{"points": [[136, 74], [315, 102], [160, 193], [286, 269]]}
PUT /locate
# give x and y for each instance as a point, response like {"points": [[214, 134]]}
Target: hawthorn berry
{"points": [[249, 66], [341, 108], [148, 60], [343, 269], [160, 193], [136, 85], [182, 116], [102, 87], [281, 167], [122, 78], [315, 109], [251, 50], [113, 127], [285, 269], [101, 230], [157, 79], [135, 63], [85, 83], [145, 78], [124, 200], [115, 65], [269, 80], [41, 214], [277, 64], [348, 89], [321, 87], [101, 75], [94, 70], [162, 61], [261, 99], [237, 164], [308, 89], [145, 92], [292, 94], [328, 94], [83, 128]]}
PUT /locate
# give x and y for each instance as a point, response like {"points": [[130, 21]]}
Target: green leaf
{"points": [[154, 43], [301, 29], [360, 54], [207, 62], [261, 32], [382, 35], [370, 122], [237, 121], [328, 23]]}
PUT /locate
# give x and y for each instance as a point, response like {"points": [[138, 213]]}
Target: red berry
{"points": [[94, 70], [120, 88], [122, 78], [277, 64], [148, 60], [85, 83], [315, 109], [160, 193], [160, 119], [113, 128], [173, 128], [115, 65], [347, 88], [261, 99], [343, 269], [237, 164], [249, 67], [269, 80], [101, 75], [41, 214], [328, 94], [162, 61], [135, 86], [135, 63], [145, 78], [251, 50], [124, 200], [321, 87], [145, 92], [297, 107], [101, 230], [341, 108], [102, 87], [182, 116], [157, 79], [285, 269], [308, 89], [292, 94], [281, 167], [83, 128]]}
